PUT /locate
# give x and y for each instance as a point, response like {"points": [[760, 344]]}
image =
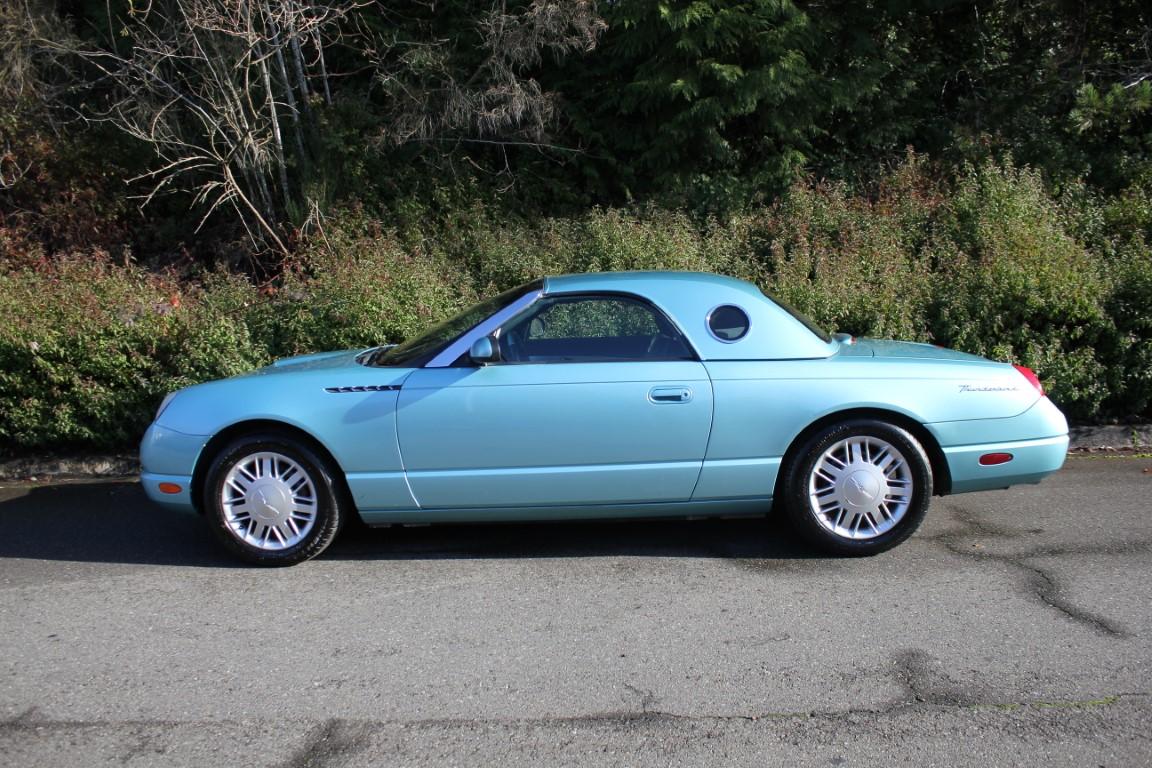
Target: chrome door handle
{"points": [[661, 395]]}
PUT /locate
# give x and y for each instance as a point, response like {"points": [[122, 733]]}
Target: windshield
{"points": [[418, 350]]}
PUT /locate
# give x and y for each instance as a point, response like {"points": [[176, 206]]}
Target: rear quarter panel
{"points": [[761, 407]]}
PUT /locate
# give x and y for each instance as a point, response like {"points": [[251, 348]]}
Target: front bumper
{"points": [[168, 459], [180, 500]]}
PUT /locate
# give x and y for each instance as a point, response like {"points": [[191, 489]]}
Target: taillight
{"points": [[1032, 379]]}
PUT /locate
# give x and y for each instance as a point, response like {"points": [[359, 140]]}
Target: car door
{"points": [[596, 400]]}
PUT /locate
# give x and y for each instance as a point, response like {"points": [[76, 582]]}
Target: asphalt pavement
{"points": [[1014, 629]]}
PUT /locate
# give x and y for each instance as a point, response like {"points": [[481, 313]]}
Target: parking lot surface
{"points": [[1014, 629]]}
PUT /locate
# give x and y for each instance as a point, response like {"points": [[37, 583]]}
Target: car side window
{"points": [[591, 329]]}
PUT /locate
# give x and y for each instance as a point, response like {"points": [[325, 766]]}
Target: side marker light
{"points": [[170, 488], [992, 459]]}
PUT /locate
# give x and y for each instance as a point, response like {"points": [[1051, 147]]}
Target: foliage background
{"points": [[974, 174]]}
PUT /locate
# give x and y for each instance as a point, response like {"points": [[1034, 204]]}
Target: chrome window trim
{"points": [[747, 327], [464, 343]]}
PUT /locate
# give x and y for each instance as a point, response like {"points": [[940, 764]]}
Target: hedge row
{"points": [[990, 263]]}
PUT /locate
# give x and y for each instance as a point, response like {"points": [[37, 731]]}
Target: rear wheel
{"points": [[858, 488], [272, 501]]}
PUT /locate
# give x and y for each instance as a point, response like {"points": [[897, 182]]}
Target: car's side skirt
{"points": [[714, 508], [722, 479]]}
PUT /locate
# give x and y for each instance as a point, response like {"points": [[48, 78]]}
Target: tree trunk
{"points": [[290, 95], [323, 67], [274, 119], [298, 60]]}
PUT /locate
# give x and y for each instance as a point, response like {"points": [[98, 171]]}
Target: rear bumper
{"points": [[1032, 461], [1037, 440]]}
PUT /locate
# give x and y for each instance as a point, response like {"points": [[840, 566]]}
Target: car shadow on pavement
{"points": [[752, 538], [102, 522], [113, 522]]}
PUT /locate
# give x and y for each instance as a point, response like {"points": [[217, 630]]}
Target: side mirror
{"points": [[485, 350]]}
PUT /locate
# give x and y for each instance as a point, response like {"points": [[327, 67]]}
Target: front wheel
{"points": [[858, 488], [271, 500]]}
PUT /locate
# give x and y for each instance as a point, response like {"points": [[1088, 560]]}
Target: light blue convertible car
{"points": [[602, 395]]}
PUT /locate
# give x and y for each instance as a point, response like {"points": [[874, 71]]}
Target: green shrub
{"points": [[1019, 288], [1117, 230], [612, 240], [993, 265], [1129, 305], [502, 256], [88, 349], [851, 264], [498, 257], [356, 286]]}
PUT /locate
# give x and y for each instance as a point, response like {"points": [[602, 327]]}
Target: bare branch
{"points": [[498, 101], [205, 84]]}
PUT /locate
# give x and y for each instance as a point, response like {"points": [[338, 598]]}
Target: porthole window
{"points": [[728, 323]]}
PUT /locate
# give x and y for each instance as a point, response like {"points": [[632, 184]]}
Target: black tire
{"points": [[314, 517], [871, 506]]}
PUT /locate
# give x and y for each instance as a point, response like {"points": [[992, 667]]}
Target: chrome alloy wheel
{"points": [[860, 488], [269, 501]]}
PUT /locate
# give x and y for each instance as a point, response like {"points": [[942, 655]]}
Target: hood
{"points": [[315, 362], [906, 349]]}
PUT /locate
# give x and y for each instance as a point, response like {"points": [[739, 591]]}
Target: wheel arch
{"points": [[222, 438], [941, 475]]}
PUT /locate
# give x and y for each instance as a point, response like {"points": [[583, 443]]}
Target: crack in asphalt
{"points": [[913, 672], [27, 716], [647, 697], [142, 743], [1041, 583], [334, 737], [328, 741], [335, 741], [1048, 590], [973, 524]]}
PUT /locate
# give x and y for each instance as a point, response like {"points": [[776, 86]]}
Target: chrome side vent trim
{"points": [[364, 388]]}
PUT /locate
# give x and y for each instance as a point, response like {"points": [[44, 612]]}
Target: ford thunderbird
{"points": [[640, 394]]}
